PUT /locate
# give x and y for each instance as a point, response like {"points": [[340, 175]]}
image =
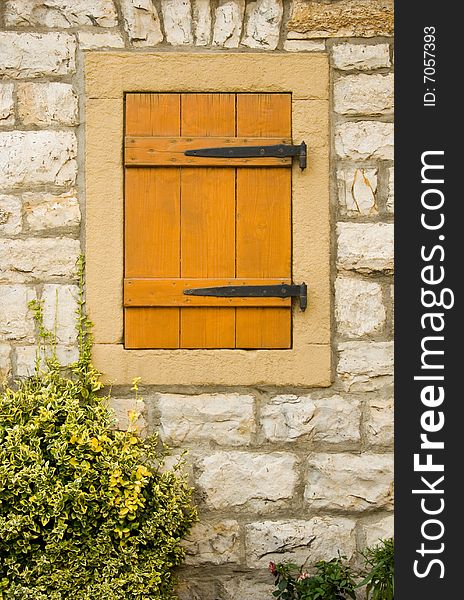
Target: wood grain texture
{"points": [[152, 221], [208, 221], [263, 221]]}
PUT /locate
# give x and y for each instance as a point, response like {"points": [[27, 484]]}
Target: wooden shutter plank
{"points": [[170, 292], [263, 221], [152, 221], [208, 221], [169, 151]]}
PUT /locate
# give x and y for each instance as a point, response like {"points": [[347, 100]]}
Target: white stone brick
{"points": [[377, 530], [177, 16], [26, 358], [60, 13], [297, 541], [59, 311], [214, 543], [365, 247], [364, 139], [47, 104], [202, 22], [359, 308], [379, 423], [247, 480], [89, 40], [43, 210], [38, 259], [364, 94], [10, 215], [365, 365], [16, 321], [226, 419], [6, 104], [5, 362], [391, 190], [37, 157], [240, 587], [362, 57], [228, 23], [263, 24], [36, 54], [357, 189], [141, 22], [129, 413], [349, 482], [304, 46], [329, 420]]}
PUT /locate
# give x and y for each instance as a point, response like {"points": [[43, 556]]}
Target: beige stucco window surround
{"points": [[108, 77]]}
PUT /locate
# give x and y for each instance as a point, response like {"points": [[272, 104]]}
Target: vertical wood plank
{"points": [[207, 221], [152, 221], [263, 221]]}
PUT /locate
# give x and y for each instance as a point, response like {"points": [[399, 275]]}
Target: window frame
{"points": [[108, 76]]}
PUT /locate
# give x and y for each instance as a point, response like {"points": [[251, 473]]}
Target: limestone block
{"points": [[240, 587], [365, 358], [44, 211], [362, 140], [360, 56], [89, 40], [177, 16], [380, 529], [263, 24], [16, 321], [38, 259], [357, 189], [226, 419], [304, 46], [10, 215], [5, 362], [47, 104], [141, 21], [345, 18], [391, 190], [214, 543], [36, 54], [228, 23], [202, 22], [319, 538], [331, 420], [359, 308], [365, 247], [6, 104], [37, 157], [248, 480], [60, 13], [349, 482], [128, 413], [364, 94], [59, 311], [379, 423], [26, 358]]}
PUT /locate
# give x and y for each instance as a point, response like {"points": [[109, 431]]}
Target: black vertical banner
{"points": [[429, 242]]}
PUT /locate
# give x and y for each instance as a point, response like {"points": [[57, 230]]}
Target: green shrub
{"points": [[380, 566], [86, 512], [332, 581]]}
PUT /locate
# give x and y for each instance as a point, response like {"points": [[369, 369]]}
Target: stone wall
{"points": [[279, 474]]}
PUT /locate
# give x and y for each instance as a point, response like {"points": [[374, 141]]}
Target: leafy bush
{"points": [[380, 564], [332, 581], [86, 512]]}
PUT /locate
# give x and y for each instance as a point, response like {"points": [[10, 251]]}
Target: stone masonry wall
{"points": [[279, 474]]}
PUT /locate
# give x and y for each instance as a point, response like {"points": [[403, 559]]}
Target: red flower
{"points": [[272, 568]]}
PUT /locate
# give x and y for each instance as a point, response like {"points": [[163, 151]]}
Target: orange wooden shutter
{"points": [[202, 222]]}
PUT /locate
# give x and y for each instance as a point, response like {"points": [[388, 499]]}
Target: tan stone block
{"points": [[345, 18]]}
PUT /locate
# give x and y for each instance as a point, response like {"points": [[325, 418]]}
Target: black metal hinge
{"points": [[277, 151], [283, 290]]}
